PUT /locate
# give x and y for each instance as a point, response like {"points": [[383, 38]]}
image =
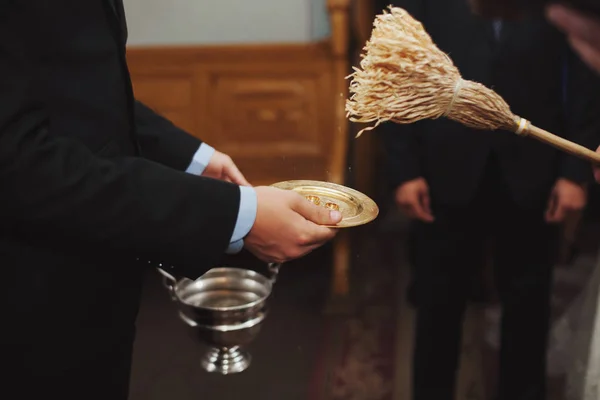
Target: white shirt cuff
{"points": [[245, 219], [200, 160]]}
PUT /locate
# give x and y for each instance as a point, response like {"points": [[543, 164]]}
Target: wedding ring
{"points": [[314, 199], [332, 206]]}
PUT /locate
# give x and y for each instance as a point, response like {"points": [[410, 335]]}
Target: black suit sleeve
{"points": [[55, 191], [583, 116], [161, 141], [401, 142]]}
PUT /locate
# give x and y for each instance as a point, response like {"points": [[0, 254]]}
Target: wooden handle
{"points": [[562, 144]]}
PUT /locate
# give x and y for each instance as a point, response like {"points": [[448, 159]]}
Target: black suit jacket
{"points": [[532, 67], [90, 180]]}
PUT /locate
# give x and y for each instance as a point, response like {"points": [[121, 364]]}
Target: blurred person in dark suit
{"points": [[464, 187], [584, 35], [92, 181]]}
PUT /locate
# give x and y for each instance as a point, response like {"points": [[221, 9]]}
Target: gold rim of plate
{"points": [[356, 207]]}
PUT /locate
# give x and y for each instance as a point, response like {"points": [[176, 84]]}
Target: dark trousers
{"points": [[447, 254]]}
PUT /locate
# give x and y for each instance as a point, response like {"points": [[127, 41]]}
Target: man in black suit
{"points": [[90, 181], [584, 35], [583, 31], [463, 187]]}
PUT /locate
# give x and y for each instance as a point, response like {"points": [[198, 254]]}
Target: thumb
{"points": [[425, 199], [236, 176], [551, 209], [316, 214]]}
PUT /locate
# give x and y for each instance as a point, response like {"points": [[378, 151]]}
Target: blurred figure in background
{"points": [[584, 35], [582, 30], [462, 187]]}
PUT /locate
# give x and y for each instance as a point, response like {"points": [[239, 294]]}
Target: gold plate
{"points": [[356, 207]]}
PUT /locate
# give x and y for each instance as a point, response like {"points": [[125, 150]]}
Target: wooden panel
{"points": [[272, 113], [257, 112], [270, 117], [166, 93]]}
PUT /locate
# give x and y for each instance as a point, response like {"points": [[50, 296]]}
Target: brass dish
{"points": [[356, 208]]}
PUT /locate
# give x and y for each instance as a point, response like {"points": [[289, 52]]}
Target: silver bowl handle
{"points": [[169, 282], [274, 271], [188, 320]]}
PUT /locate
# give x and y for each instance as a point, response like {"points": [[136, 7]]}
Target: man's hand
{"points": [[597, 169], [222, 167], [287, 226], [413, 198], [566, 198], [582, 30]]}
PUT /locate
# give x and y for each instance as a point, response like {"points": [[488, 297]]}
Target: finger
{"points": [[426, 207], [316, 214], [418, 208], [551, 208], [552, 217], [233, 173], [556, 214], [574, 23], [549, 216], [407, 204], [426, 202], [423, 215], [588, 53], [559, 214], [302, 254], [416, 211], [596, 168], [316, 236]]}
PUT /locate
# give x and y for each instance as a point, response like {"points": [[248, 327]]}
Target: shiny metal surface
{"points": [[227, 360], [224, 296], [356, 208], [225, 307], [225, 354], [240, 334]]}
